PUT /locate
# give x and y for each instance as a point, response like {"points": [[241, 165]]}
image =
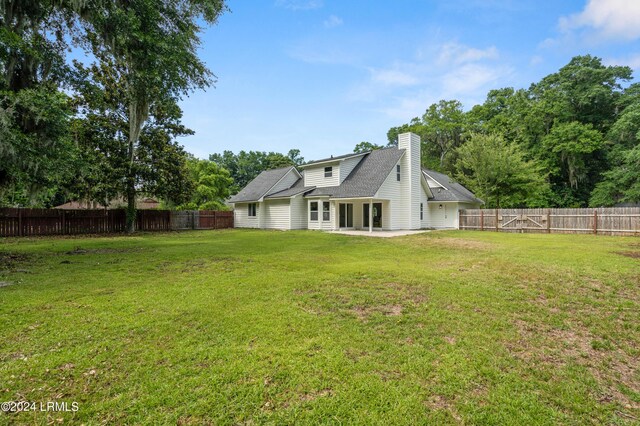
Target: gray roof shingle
{"points": [[296, 188], [259, 186], [453, 191], [367, 177]]}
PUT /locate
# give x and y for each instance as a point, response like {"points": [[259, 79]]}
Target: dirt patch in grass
{"points": [[80, 250], [9, 261], [364, 312], [441, 403], [313, 395], [458, 243], [612, 367], [363, 299], [631, 254]]}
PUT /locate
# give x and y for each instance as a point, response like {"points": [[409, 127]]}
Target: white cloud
{"points": [[470, 78], [612, 19], [632, 61], [453, 53], [300, 4], [333, 21], [448, 71]]}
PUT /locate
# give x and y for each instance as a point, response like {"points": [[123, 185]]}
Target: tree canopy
{"points": [[580, 126]]}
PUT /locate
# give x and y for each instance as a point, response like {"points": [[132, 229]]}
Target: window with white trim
{"points": [[398, 172], [328, 171], [326, 213], [313, 211], [421, 211], [253, 207]]}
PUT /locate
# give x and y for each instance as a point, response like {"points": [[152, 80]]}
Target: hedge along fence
{"points": [[605, 221], [34, 222]]}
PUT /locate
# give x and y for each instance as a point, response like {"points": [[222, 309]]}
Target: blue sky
{"points": [[322, 75]]}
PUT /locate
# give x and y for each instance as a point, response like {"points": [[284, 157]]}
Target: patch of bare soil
{"points": [[8, 261], [441, 403], [459, 243], [631, 254], [80, 250], [364, 312], [313, 395], [609, 365]]}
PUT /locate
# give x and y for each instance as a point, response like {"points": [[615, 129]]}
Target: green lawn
{"points": [[228, 327]]}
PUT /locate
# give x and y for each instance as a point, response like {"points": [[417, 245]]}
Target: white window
{"points": [[398, 172], [326, 214], [252, 209], [421, 211], [313, 211], [328, 171]]}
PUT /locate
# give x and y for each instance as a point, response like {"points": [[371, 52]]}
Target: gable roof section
{"points": [[366, 178], [336, 158], [296, 189], [451, 190], [258, 187]]}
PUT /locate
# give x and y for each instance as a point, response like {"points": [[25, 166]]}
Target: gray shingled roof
{"points": [[258, 187], [337, 157], [452, 191], [297, 188], [367, 177]]}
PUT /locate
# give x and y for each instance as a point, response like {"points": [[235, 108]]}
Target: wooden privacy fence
{"points": [[202, 219], [33, 222], [606, 221]]}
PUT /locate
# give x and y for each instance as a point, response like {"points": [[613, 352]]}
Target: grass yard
{"points": [[228, 327]]}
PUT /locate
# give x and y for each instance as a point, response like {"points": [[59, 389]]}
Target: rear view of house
{"points": [[384, 189]]}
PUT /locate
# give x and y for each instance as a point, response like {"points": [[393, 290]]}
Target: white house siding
{"points": [[276, 214], [411, 143], [314, 176], [397, 211], [241, 218], [347, 166], [285, 183], [298, 211], [424, 223], [445, 217]]}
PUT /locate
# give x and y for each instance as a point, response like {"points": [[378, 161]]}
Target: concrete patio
{"points": [[379, 234]]}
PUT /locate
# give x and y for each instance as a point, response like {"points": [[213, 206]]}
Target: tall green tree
{"points": [[158, 167], [498, 172], [212, 186], [366, 147], [34, 111], [246, 165], [153, 45]]}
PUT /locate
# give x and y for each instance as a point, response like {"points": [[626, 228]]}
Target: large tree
{"points": [[34, 111], [212, 185], [153, 46], [159, 164], [246, 165], [498, 173]]}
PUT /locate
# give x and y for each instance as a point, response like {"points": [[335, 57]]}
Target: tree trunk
{"points": [[131, 205], [138, 113]]}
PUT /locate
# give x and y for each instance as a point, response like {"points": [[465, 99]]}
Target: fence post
{"points": [[548, 221], [193, 219], [64, 222], [595, 221], [482, 220], [20, 222], [497, 225], [215, 220]]}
